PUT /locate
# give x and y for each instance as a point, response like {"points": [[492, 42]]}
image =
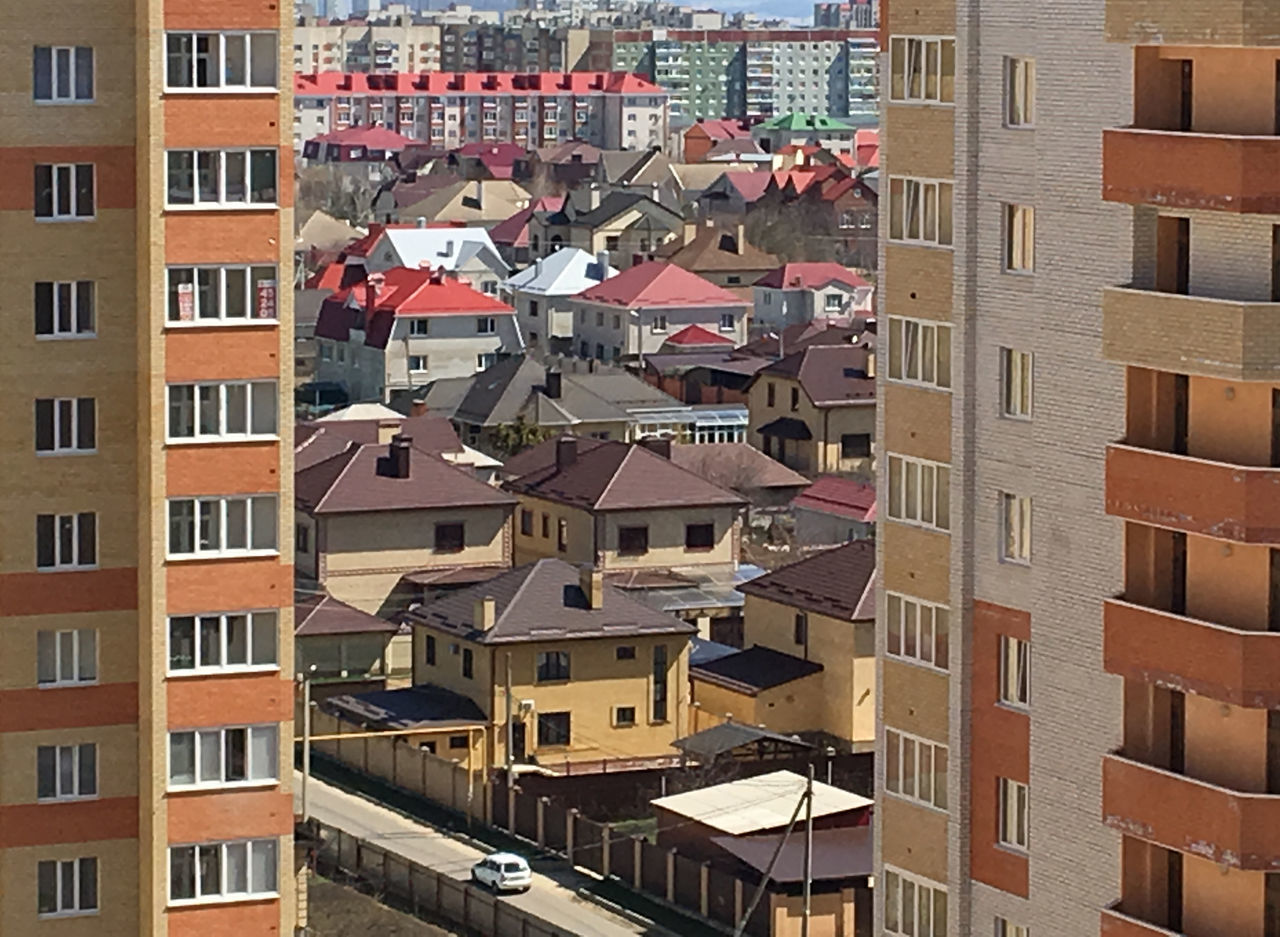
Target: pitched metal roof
{"points": [[755, 804], [323, 614], [755, 669], [422, 706], [564, 272], [841, 496], [810, 276], [719, 740], [839, 582], [831, 375], [661, 285]]}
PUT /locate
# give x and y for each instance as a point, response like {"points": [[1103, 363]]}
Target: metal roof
{"points": [[764, 802]]}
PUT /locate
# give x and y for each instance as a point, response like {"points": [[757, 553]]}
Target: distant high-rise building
{"points": [[851, 14]]}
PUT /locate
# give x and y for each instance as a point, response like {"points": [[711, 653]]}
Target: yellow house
{"points": [[621, 507], [815, 410], [809, 663], [566, 667]]}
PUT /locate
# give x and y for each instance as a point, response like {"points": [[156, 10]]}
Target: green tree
{"points": [[513, 438]]}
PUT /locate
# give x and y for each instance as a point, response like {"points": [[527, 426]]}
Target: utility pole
{"points": [[306, 735], [511, 729], [808, 852]]}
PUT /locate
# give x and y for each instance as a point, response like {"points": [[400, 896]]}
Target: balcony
{"points": [[1231, 665], [1211, 171], [1178, 492], [1117, 924], [1193, 22], [1191, 334]]}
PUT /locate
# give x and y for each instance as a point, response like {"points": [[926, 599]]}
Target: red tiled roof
{"points": [[841, 496], [375, 138], [697, 335], [810, 276], [417, 292], [480, 83], [514, 231], [328, 277], [728, 128], [658, 284], [750, 185]]}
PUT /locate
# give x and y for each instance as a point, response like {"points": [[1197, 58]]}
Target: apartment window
{"points": [[66, 658], [915, 768], [920, 492], [235, 409], [223, 757], [658, 325], [220, 60], [1015, 524], [624, 716], [553, 729], [221, 178], [468, 663], [795, 398], [659, 683], [545, 526], [222, 871], [64, 192], [1015, 671], [1019, 238], [633, 541], [66, 425], [919, 352], [553, 665], [486, 325], [922, 69], [66, 772], [526, 522], [913, 906], [770, 394], [1013, 814], [1006, 929], [213, 295], [918, 631], [801, 629], [1015, 383], [855, 445], [562, 535], [920, 211], [62, 74], [625, 652], [1020, 92], [222, 526], [64, 310], [418, 363], [699, 536], [66, 541], [430, 651], [219, 642], [419, 327], [67, 886], [727, 321]]}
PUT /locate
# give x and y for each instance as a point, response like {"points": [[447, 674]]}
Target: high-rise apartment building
{"points": [[145, 535], [1081, 420]]}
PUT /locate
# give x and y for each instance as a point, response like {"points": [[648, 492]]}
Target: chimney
{"points": [[690, 230], [591, 581], [554, 384], [421, 222], [388, 430], [418, 407], [484, 612], [602, 261], [593, 194], [479, 195], [741, 236], [658, 446], [566, 452], [399, 456]]}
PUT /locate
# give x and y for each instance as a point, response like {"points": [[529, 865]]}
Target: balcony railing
{"points": [[1116, 923], [1193, 22]]}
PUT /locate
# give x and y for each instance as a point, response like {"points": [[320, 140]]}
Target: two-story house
{"points": [[467, 252], [803, 292], [720, 254], [403, 328], [540, 294], [566, 666], [815, 410], [626, 225], [631, 315]]}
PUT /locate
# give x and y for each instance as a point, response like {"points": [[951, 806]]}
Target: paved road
{"points": [[553, 896]]}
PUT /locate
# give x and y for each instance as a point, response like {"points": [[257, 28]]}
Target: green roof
{"points": [[805, 122]]}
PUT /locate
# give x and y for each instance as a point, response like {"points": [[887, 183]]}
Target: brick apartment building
{"points": [[146, 573], [1079, 592]]}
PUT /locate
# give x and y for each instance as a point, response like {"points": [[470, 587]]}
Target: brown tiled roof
{"points": [[323, 614], [839, 582], [316, 441], [801, 335], [351, 481], [755, 669], [543, 601], [831, 375], [716, 249], [543, 455], [615, 476]]}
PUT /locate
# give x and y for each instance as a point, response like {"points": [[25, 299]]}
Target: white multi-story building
{"points": [[361, 47]]}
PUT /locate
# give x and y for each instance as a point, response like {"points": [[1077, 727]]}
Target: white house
{"points": [[469, 252], [804, 292], [541, 295]]}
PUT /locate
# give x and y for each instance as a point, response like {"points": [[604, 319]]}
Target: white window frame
{"points": [[72, 97], [225, 893], [423, 360], [905, 896], [69, 875], [1014, 815], [261, 295], [921, 58], [421, 326], [219, 508], [218, 63], [485, 360], [1014, 672], [920, 352], [64, 304], [71, 758], [833, 302], [1019, 238], [1017, 383], [728, 322], [1019, 92], [66, 419], [70, 647], [1006, 928], [659, 325], [218, 740], [62, 562], [909, 200], [221, 393], [219, 157], [918, 631], [911, 768], [930, 503], [1015, 528], [486, 325], [204, 622], [71, 170]]}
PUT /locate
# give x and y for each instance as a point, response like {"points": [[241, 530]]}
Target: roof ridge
{"points": [[515, 596], [353, 452], [614, 477]]}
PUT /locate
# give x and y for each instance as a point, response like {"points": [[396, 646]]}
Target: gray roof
{"points": [[423, 706], [323, 614], [543, 601], [718, 740], [611, 206]]}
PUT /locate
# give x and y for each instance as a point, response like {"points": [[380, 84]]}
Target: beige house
{"points": [[623, 224], [815, 410], [479, 202], [351, 651]]}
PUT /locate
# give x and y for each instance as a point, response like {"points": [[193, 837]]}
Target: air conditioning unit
{"points": [[526, 706]]}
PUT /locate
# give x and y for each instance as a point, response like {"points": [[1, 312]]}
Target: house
{"points": [[541, 296], [831, 133], [474, 202], [694, 178], [720, 255], [468, 252], [834, 510], [802, 292], [558, 168], [815, 410], [762, 481], [704, 134], [734, 193], [373, 515], [701, 375], [646, 171], [511, 235], [351, 651], [404, 327], [820, 212], [743, 152], [623, 507], [359, 144], [631, 315], [569, 668], [484, 160], [627, 225], [772, 344]]}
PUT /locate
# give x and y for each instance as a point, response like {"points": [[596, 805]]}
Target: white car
{"points": [[503, 871]]}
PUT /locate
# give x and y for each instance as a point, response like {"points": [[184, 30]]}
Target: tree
{"points": [[513, 438]]}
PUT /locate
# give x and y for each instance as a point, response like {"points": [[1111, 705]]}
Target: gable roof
{"points": [[800, 335], [366, 135], [758, 803], [750, 185], [716, 249], [471, 200], [409, 291], [318, 440], [544, 601], [755, 669], [697, 336], [612, 205], [564, 272], [831, 375], [447, 247], [843, 497], [725, 128], [737, 466], [810, 276], [799, 120], [616, 476], [323, 614], [840, 583], [658, 284], [514, 231]]}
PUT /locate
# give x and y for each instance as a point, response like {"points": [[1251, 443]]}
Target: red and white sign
{"points": [[265, 308], [186, 302]]}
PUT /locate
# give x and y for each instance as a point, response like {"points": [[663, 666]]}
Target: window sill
{"points": [[1019, 852], [1018, 127], [67, 684], [71, 220], [1021, 274], [222, 899], [184, 92], [1015, 417], [1021, 708], [923, 385], [73, 102], [66, 569], [237, 555], [927, 244], [913, 102], [183, 441], [71, 799], [218, 323], [248, 670], [222, 206], [1013, 561], [220, 788], [55, 915], [906, 522], [916, 662], [63, 453], [67, 337]]}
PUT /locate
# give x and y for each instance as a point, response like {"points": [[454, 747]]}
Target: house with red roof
{"points": [[803, 292], [834, 510], [733, 193], [367, 144], [483, 160], [405, 327], [705, 134], [632, 314]]}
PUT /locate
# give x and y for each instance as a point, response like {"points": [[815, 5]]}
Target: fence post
{"points": [[568, 833], [637, 878], [604, 845], [541, 804], [386, 870], [356, 870], [671, 875], [439, 903], [364, 756], [422, 781], [704, 888], [466, 906]]}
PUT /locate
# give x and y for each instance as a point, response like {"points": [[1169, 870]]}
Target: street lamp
{"points": [[305, 680]]}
